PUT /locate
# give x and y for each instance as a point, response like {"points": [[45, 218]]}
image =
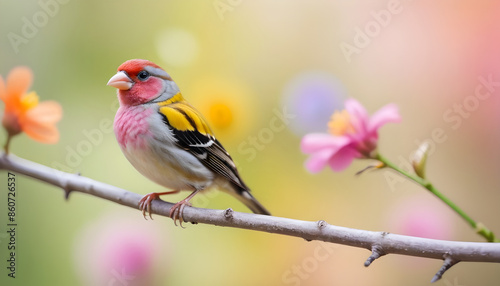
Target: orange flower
{"points": [[24, 113]]}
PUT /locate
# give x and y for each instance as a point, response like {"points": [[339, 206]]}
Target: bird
{"points": [[169, 142]]}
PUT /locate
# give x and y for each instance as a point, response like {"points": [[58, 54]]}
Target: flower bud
{"points": [[419, 159]]}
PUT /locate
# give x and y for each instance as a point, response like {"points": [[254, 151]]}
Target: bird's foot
{"points": [[145, 204], [177, 209]]}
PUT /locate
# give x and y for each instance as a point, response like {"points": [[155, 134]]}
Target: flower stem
{"points": [[7, 143], [480, 228]]}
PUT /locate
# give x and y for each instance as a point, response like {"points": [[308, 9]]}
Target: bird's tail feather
{"points": [[251, 202]]}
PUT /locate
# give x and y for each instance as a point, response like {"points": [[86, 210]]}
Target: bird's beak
{"points": [[121, 81]]}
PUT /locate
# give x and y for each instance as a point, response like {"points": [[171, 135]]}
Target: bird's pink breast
{"points": [[131, 126]]}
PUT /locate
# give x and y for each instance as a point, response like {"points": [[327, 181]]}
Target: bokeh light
{"points": [[177, 47], [421, 216], [313, 96], [228, 105], [120, 247]]}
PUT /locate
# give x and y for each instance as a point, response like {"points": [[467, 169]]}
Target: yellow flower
{"points": [[220, 114], [23, 112], [227, 106]]}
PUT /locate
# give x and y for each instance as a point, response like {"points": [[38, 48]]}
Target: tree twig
{"points": [[379, 243]]}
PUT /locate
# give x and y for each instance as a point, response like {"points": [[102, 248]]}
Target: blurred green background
{"points": [[244, 64]]}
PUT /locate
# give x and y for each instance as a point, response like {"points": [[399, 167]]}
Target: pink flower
{"points": [[353, 134], [418, 215], [120, 249]]}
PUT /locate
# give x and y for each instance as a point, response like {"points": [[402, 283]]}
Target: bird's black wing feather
{"points": [[210, 153]]}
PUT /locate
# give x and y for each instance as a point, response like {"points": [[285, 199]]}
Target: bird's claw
{"points": [[145, 204], [176, 212]]}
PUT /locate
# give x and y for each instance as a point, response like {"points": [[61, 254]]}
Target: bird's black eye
{"points": [[143, 75]]}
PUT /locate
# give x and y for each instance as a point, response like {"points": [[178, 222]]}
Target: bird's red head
{"points": [[141, 81]]}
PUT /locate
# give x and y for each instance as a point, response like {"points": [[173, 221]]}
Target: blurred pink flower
{"points": [[421, 216], [122, 250], [353, 134]]}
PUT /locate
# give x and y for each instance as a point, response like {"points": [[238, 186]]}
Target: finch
{"points": [[168, 141]]}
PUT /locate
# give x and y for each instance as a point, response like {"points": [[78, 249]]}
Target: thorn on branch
{"points": [[228, 213], [66, 193], [67, 190], [447, 264], [377, 252]]}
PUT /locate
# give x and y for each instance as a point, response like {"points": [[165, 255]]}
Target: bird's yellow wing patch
{"points": [[177, 119], [176, 98], [184, 117]]}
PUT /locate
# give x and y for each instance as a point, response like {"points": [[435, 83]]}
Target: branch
{"points": [[379, 243]]}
